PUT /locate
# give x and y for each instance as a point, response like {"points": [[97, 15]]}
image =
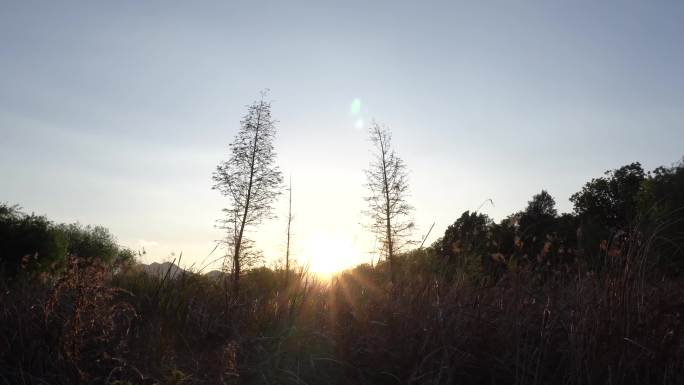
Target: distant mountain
{"points": [[162, 269], [215, 275]]}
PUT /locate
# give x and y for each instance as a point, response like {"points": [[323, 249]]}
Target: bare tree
{"points": [[388, 209], [251, 180], [289, 233]]}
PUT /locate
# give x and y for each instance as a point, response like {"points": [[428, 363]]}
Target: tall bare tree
{"points": [[251, 180], [289, 233], [388, 209]]}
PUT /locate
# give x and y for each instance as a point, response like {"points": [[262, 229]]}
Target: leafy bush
{"points": [[28, 243], [32, 243]]}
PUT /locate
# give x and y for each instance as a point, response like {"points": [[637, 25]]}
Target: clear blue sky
{"points": [[117, 112]]}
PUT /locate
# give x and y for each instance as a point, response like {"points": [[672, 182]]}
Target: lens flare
{"points": [[355, 107]]}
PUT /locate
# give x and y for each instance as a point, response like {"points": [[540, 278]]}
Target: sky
{"points": [[116, 113]]}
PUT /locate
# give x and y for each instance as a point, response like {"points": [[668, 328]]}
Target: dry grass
{"points": [[562, 325]]}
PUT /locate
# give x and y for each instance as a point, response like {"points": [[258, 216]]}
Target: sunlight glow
{"points": [[328, 253]]}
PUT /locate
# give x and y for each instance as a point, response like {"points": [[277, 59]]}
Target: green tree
{"points": [[90, 242], [537, 223], [611, 200], [28, 243], [465, 245], [467, 236], [661, 203], [606, 207], [95, 242], [32, 243], [502, 236]]}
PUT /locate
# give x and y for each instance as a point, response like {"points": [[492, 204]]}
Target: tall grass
{"points": [[560, 325]]}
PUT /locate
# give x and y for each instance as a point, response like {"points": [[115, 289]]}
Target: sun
{"points": [[328, 253]]}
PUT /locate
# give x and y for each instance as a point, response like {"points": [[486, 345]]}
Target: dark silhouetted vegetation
{"points": [[32, 244], [590, 297]]}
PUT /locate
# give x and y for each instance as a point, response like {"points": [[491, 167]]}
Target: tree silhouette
{"points": [[661, 205], [251, 180], [28, 242], [537, 223], [32, 243], [611, 201], [465, 242], [542, 204], [387, 181]]}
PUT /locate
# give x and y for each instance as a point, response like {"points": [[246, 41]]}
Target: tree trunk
{"points": [[287, 251], [238, 243], [388, 223]]}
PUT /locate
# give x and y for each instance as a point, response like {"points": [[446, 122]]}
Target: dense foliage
{"points": [[31, 243]]}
